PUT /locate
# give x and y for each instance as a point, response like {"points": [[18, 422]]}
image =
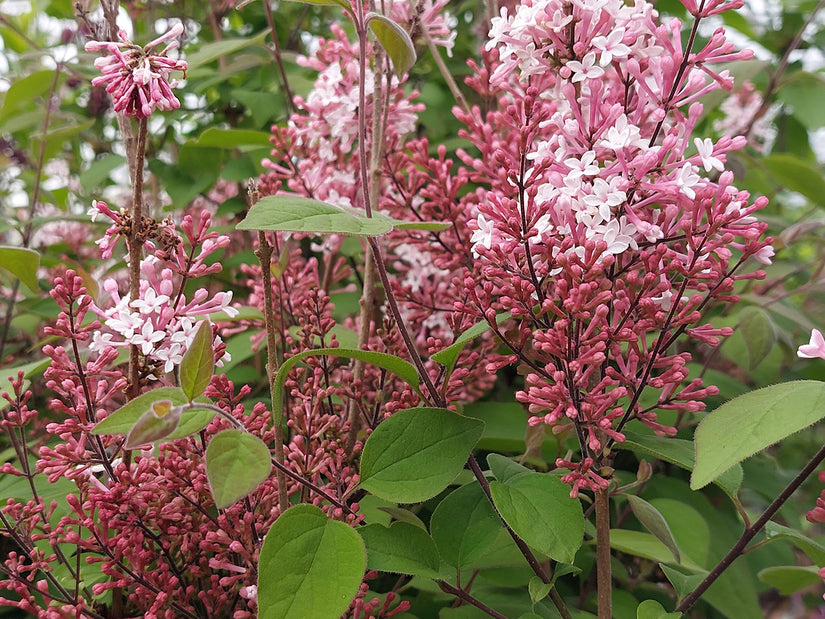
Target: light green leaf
{"points": [[653, 521], [158, 422], [759, 333], [448, 356], [193, 419], [403, 515], [505, 469], [123, 419], [651, 609], [341, 3], [748, 424], [804, 92], [212, 51], [22, 263], [24, 91], [289, 213], [99, 170], [539, 509], [645, 545], [403, 369], [395, 41], [796, 174], [198, 362], [813, 549], [464, 525], [244, 139], [310, 566], [416, 453], [683, 584], [681, 453], [403, 548], [790, 578], [236, 463], [427, 226], [538, 589]]}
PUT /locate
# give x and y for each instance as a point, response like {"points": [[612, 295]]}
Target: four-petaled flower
{"points": [[815, 348]]}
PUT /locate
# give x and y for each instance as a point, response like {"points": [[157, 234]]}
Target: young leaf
{"points": [[198, 362], [538, 589], [539, 509], [653, 521], [236, 464], [395, 41], [123, 419], [812, 548], [769, 414], [403, 515], [158, 422], [192, 419], [464, 525], [22, 263], [416, 453], [288, 213], [505, 469], [310, 566], [403, 548]]}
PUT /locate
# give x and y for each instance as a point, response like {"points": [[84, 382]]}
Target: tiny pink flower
{"points": [[705, 148], [816, 347], [586, 69]]}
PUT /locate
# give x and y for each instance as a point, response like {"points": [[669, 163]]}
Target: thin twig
{"points": [[463, 595]]}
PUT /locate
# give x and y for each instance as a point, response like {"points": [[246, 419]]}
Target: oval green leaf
{"points": [[395, 41], [310, 566], [790, 578], [288, 213], [768, 415], [22, 263], [651, 609], [198, 362], [539, 509], [401, 548], [236, 463], [759, 333], [464, 525], [416, 453]]}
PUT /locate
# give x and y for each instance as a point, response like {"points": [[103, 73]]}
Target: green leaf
{"points": [[403, 369], [448, 356], [682, 583], [22, 263], [645, 545], [464, 525], [759, 333], [395, 41], [681, 453], [416, 453], [193, 419], [797, 175], [804, 92], [24, 91], [813, 549], [748, 424], [212, 51], [790, 578], [341, 3], [538, 589], [158, 422], [427, 226], [403, 548], [99, 170], [651, 609], [505, 469], [288, 213], [653, 521], [244, 139], [198, 362], [403, 515], [236, 463], [123, 419], [310, 566], [505, 425], [539, 509]]}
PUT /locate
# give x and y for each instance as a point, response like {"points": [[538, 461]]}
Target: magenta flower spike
{"points": [[138, 78]]}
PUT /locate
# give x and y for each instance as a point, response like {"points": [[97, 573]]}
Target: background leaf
{"points": [[395, 41], [198, 362], [401, 548], [22, 263]]}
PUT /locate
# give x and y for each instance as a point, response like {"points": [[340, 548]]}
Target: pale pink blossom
{"points": [[815, 348]]}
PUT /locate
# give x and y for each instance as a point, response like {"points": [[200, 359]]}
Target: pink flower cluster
{"points": [[138, 78], [602, 226]]}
